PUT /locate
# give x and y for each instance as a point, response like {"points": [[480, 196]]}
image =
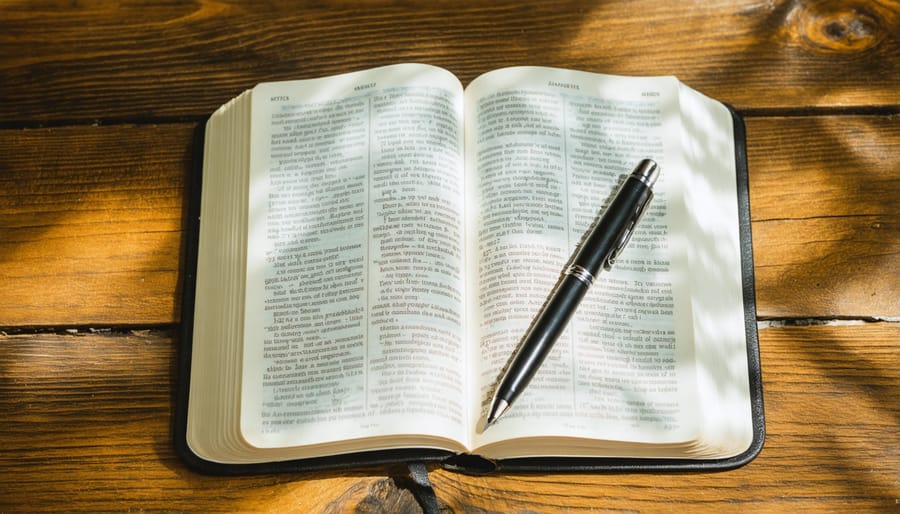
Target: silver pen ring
{"points": [[581, 274]]}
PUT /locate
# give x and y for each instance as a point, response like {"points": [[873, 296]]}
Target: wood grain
{"points": [[825, 211], [87, 427], [104, 61], [92, 233], [91, 224], [98, 101]]}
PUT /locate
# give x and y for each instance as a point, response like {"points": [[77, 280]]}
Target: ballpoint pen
{"points": [[598, 251]]}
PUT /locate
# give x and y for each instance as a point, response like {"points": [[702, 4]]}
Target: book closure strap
{"points": [[422, 489]]}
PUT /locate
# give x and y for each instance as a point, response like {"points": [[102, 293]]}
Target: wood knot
{"points": [[387, 496], [840, 25]]}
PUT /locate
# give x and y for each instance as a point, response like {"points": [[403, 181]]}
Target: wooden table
{"points": [[97, 106]]}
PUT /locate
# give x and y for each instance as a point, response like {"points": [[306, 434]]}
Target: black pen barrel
{"points": [[597, 251], [563, 302], [544, 331]]}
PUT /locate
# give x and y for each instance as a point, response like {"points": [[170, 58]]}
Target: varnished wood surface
{"points": [[98, 102], [110, 201], [87, 424], [186, 58]]}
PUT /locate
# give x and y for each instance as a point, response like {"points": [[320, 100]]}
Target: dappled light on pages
{"points": [[373, 246]]}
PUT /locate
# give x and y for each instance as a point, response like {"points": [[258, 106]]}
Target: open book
{"points": [[372, 246]]}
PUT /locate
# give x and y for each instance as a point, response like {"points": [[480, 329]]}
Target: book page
{"points": [[354, 283], [546, 150], [222, 246], [713, 221]]}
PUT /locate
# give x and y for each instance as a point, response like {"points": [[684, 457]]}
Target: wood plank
{"points": [[832, 405], [92, 233], [149, 60], [91, 224], [825, 210], [87, 428]]}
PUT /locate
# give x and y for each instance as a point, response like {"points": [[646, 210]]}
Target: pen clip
{"points": [[629, 230]]}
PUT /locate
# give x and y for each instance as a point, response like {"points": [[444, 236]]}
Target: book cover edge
{"points": [[465, 463]]}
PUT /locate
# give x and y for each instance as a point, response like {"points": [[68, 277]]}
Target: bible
{"points": [[366, 250]]}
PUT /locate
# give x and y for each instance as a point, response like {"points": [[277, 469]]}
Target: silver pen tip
{"points": [[497, 410], [647, 171]]}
